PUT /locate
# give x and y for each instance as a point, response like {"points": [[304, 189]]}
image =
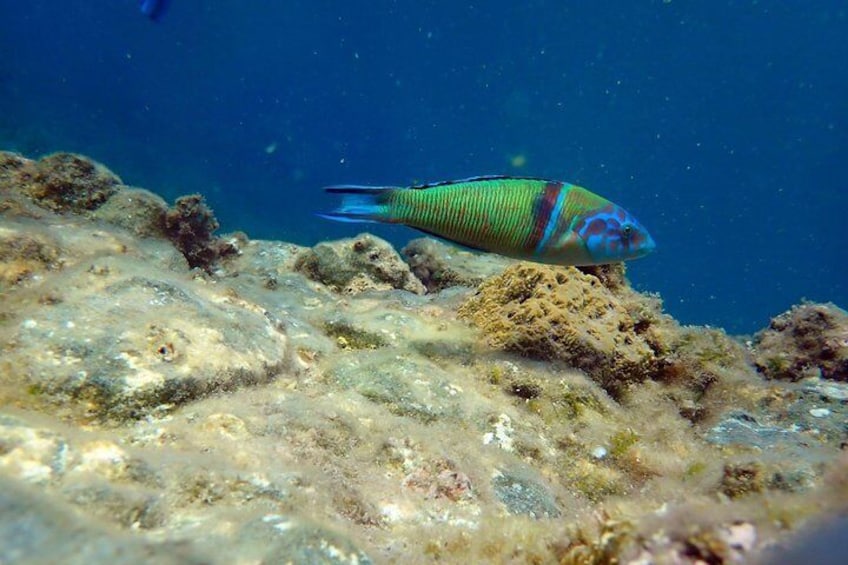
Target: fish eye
{"points": [[627, 231]]}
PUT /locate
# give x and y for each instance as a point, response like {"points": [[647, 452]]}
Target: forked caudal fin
{"points": [[359, 203]]}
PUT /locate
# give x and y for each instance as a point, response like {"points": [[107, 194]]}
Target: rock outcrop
{"points": [[171, 395]]}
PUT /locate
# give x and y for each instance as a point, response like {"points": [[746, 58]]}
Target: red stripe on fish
{"points": [[544, 206]]}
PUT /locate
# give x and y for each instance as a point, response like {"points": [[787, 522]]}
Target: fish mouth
{"points": [[648, 247], [645, 247]]}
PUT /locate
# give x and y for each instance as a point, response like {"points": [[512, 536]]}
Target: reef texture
{"points": [[65, 183], [167, 395], [552, 313], [590, 319], [358, 264], [440, 266], [190, 225], [810, 340]]}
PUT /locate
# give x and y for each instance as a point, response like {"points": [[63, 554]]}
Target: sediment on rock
{"points": [[355, 265]]}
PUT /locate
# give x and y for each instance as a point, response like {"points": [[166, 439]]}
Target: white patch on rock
{"points": [[103, 458], [502, 435]]}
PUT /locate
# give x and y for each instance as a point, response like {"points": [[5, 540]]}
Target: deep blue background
{"points": [[721, 125]]}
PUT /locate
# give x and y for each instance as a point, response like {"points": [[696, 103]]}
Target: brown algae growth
{"points": [[165, 391]]}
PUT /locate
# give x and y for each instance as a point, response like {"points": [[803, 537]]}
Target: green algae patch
{"points": [[348, 336], [594, 480], [543, 390], [621, 442], [459, 348]]}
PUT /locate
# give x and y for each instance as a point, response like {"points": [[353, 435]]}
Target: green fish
{"points": [[526, 218]]}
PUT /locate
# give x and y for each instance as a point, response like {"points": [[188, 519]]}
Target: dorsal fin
{"points": [[425, 186]]}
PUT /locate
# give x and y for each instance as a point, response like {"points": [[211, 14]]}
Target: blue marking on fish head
{"points": [[612, 234]]}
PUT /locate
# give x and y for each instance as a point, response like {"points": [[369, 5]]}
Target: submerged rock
{"points": [[122, 344], [523, 495], [563, 314], [191, 226], [288, 540], [594, 322], [407, 387], [807, 341], [136, 210], [264, 406], [115, 328], [65, 182], [440, 266], [355, 265], [35, 528], [741, 428], [25, 253], [37, 456]]}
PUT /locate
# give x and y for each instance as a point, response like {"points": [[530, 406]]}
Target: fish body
{"points": [[527, 218], [153, 9]]}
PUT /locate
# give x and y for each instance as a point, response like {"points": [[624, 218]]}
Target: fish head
{"points": [[611, 234]]}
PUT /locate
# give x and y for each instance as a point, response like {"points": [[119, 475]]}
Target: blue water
{"points": [[721, 125]]}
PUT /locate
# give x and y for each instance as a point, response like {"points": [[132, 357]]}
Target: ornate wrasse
{"points": [[526, 218]]}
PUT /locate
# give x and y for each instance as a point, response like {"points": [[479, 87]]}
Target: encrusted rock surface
{"points": [[69, 184], [24, 254], [263, 408], [810, 340], [563, 314], [36, 528], [191, 226], [440, 266], [136, 210], [64, 182], [354, 265], [106, 336], [591, 319]]}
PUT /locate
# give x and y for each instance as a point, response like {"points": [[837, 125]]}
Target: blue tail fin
{"points": [[359, 203]]}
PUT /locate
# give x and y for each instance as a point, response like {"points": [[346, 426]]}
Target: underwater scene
{"points": [[423, 282]]}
